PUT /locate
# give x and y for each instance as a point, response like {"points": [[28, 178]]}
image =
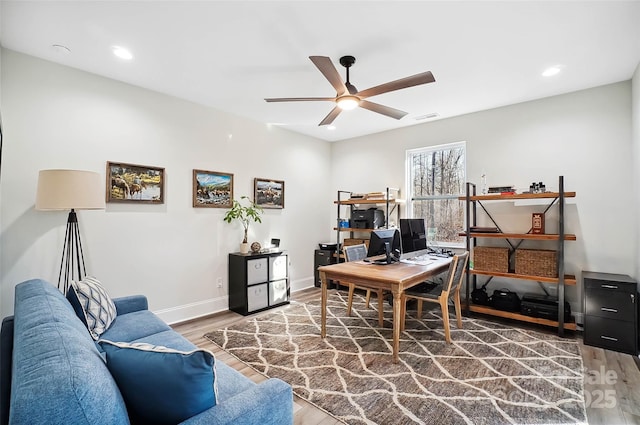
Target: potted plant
{"points": [[245, 214]]}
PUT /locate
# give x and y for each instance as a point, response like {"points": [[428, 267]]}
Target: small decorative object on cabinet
{"points": [[611, 311], [363, 214], [258, 281], [526, 268]]}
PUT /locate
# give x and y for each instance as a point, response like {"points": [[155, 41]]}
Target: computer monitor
{"points": [[413, 236], [385, 242]]}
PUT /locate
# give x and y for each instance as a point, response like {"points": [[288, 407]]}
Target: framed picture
{"points": [[212, 189], [134, 183], [269, 193]]}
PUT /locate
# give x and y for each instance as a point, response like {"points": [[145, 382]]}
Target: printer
{"points": [[543, 306], [367, 219]]}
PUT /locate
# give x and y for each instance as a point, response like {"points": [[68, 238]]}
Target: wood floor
{"points": [[612, 380]]}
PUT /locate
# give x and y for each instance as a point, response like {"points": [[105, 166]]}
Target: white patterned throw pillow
{"points": [[99, 310]]}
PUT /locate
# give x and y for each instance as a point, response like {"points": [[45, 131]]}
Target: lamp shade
{"points": [[69, 189]]}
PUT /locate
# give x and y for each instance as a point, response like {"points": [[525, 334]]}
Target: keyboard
{"points": [[418, 261]]}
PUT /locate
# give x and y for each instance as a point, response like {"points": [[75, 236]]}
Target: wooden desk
{"points": [[392, 277]]}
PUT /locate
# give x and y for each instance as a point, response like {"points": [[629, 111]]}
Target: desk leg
{"points": [[323, 308], [397, 321]]}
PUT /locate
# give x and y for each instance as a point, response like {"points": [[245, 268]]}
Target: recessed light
{"points": [[122, 52], [552, 70], [331, 127], [59, 48]]}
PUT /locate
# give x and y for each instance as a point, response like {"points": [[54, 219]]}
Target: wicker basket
{"points": [[537, 262], [351, 241], [491, 259]]}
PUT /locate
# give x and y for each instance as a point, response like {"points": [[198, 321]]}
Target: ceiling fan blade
{"points": [[300, 99], [332, 116], [330, 72], [403, 83], [381, 109]]}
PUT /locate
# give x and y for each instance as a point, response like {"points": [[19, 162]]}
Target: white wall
{"points": [[584, 136], [635, 120], [0, 162], [58, 117], [55, 116]]}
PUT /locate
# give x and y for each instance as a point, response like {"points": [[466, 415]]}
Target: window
{"points": [[435, 179]]}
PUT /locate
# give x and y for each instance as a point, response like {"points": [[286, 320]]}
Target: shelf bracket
{"points": [[544, 289]]}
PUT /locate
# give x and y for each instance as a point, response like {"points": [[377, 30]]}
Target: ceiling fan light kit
{"points": [[348, 102], [348, 97]]}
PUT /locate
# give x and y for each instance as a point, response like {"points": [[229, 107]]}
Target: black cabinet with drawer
{"points": [[258, 281], [611, 311], [323, 257]]}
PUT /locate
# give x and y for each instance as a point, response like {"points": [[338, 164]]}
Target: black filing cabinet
{"points": [[258, 281], [611, 311], [322, 257]]}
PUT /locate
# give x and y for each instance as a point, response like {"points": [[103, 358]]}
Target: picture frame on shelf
{"points": [[140, 184], [269, 193], [212, 189]]}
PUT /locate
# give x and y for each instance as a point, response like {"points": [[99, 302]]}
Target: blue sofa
{"points": [[52, 371]]}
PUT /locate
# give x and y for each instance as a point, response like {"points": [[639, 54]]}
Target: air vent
{"points": [[427, 116]]}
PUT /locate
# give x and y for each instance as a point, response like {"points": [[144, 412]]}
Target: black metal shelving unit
{"points": [[344, 198], [473, 200]]}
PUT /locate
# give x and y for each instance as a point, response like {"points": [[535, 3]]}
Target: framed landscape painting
{"points": [[135, 183], [269, 193], [212, 189]]}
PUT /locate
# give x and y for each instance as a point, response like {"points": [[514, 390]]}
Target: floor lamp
{"points": [[70, 190]]}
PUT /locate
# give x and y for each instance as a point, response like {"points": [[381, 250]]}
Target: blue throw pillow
{"points": [[75, 303], [161, 385]]}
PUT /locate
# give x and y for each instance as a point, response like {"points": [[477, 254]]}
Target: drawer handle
{"points": [[611, 310], [609, 338], [257, 266], [609, 286]]}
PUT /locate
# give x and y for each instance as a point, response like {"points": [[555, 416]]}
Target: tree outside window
{"points": [[436, 178]]}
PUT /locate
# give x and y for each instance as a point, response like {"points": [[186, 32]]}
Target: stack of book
{"points": [[377, 196], [480, 229], [503, 190]]}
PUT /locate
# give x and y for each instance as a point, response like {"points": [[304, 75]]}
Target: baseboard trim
{"points": [[196, 310], [299, 285], [186, 312]]}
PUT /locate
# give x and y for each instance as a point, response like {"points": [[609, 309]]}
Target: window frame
{"points": [[410, 153]]}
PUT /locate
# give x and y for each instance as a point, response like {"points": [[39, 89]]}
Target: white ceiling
{"points": [[232, 54]]}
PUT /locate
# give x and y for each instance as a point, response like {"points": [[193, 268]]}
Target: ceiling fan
{"points": [[348, 97]]}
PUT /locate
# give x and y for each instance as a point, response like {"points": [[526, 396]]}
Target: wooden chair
{"points": [[355, 253], [441, 294]]}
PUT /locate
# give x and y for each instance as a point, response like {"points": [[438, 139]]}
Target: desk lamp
{"points": [[70, 190]]}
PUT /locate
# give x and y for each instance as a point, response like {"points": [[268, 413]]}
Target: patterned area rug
{"points": [[491, 374]]}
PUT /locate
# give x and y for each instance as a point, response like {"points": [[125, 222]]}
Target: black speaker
{"points": [[322, 257]]}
